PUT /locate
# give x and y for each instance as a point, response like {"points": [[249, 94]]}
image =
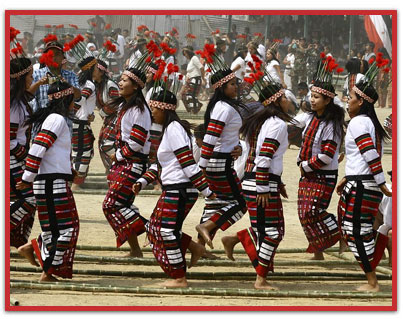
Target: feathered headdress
{"points": [[17, 54]]}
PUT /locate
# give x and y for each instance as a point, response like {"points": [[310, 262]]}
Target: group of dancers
{"points": [[136, 126]]}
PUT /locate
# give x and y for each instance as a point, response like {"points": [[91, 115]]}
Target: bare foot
{"points": [[229, 243], [197, 251], [137, 254], [175, 283], [47, 278], [368, 287], [262, 284], [209, 255], [27, 251], [342, 246], [75, 187], [318, 256], [204, 234]]}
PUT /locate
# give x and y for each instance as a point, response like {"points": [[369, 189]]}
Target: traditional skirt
{"points": [[57, 214], [229, 206], [314, 195], [168, 242], [190, 93], [106, 140], [118, 206], [82, 149], [261, 240], [22, 205], [357, 209]]}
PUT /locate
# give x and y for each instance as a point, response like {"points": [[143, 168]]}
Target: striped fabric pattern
{"points": [[13, 131], [269, 147], [199, 181], [364, 143], [32, 163], [151, 175], [86, 92], [169, 244], [357, 209], [309, 138], [262, 176], [215, 128], [184, 156], [20, 152], [261, 240], [138, 134], [118, 208], [154, 138], [45, 138], [190, 94], [368, 150], [250, 161], [106, 140], [314, 195], [59, 221], [82, 149]]}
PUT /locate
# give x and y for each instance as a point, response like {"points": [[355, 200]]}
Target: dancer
{"points": [[267, 137], [106, 92], [362, 189], [22, 202], [222, 122], [48, 166], [318, 162], [181, 180], [129, 160]]}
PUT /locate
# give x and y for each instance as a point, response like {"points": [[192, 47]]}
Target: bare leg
{"points": [[229, 243], [204, 230], [47, 278], [389, 246], [262, 284], [134, 245], [27, 251], [342, 246], [372, 285], [175, 283], [318, 256], [197, 251]]}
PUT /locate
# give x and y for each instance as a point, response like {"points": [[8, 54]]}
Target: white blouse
{"points": [[362, 157], [242, 70], [87, 102], [50, 151]]}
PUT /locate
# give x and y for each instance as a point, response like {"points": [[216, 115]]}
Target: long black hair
{"points": [[219, 95], [171, 115], [252, 124], [86, 75], [18, 91], [59, 106], [368, 109], [136, 100], [333, 113]]}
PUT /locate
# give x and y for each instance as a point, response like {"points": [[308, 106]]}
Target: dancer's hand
{"points": [[113, 158], [136, 188], [283, 191], [91, 117], [341, 157], [22, 184], [212, 196], [340, 186], [263, 199], [236, 152], [385, 190], [74, 173]]}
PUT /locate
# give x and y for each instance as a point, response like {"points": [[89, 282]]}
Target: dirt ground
{"points": [[95, 230]]}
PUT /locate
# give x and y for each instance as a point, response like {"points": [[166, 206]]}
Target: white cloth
{"points": [[121, 46], [194, 67], [56, 159], [18, 115], [357, 163], [242, 70], [134, 58], [137, 120], [273, 134], [271, 70], [240, 163], [262, 51], [385, 209], [87, 102]]}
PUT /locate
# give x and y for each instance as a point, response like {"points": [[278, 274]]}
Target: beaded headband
{"points": [[323, 91], [58, 95], [223, 80], [53, 47], [102, 68], [89, 65], [134, 77], [162, 105], [16, 75], [274, 97], [363, 95]]}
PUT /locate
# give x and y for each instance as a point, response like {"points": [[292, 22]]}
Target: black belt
{"points": [[53, 176], [359, 177], [177, 186], [222, 155], [83, 122], [272, 177]]}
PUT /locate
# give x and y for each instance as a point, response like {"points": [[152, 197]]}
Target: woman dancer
{"points": [[266, 133], [181, 180], [48, 166], [106, 92], [318, 162], [220, 147], [129, 160], [238, 66], [362, 189], [273, 65]]}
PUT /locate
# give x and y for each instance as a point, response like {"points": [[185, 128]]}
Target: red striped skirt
{"points": [[261, 240], [82, 149], [118, 206], [57, 214], [357, 209], [106, 140], [314, 194]]}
